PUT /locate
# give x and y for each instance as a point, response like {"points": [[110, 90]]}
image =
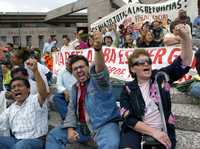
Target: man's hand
{"points": [[31, 63], [72, 135], [8, 95], [98, 40], [183, 31], [66, 94], [163, 138]]}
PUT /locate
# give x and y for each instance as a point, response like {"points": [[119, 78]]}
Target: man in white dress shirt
{"points": [[27, 117]]}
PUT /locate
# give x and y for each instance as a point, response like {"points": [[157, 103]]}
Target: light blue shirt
{"points": [[65, 81]]}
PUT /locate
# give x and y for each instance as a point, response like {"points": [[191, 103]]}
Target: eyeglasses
{"points": [[78, 67], [142, 62]]}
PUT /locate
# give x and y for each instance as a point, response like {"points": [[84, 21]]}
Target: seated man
{"points": [[92, 109], [27, 117], [65, 81]]}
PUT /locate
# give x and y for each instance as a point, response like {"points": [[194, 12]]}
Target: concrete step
{"points": [[85, 145], [183, 98], [54, 119], [187, 139], [187, 116]]}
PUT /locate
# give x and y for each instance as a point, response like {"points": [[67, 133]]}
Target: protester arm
{"points": [[99, 58], [4, 121], [126, 110], [186, 43], [41, 87], [170, 40]]}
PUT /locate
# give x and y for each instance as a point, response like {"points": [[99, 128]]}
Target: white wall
{"points": [[192, 9]]}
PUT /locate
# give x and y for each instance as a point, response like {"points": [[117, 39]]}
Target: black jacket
{"points": [[134, 101]]}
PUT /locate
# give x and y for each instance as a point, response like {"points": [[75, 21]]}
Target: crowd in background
{"points": [[150, 34], [15, 62]]}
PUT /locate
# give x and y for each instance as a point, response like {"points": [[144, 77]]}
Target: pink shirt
{"points": [[152, 115]]}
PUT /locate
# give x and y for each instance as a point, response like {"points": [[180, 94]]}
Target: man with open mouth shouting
{"points": [[92, 109], [27, 117]]}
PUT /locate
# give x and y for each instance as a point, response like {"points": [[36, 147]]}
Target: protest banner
{"points": [[138, 13], [117, 62]]}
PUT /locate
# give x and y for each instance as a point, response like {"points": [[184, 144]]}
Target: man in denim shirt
{"points": [[92, 108]]}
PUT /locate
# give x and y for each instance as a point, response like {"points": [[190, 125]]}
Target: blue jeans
{"points": [[13, 143], [61, 104], [195, 89], [107, 137]]}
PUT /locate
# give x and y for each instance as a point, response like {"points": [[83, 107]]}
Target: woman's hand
{"points": [[183, 31], [162, 137]]}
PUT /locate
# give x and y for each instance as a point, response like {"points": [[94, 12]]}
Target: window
{"points": [[16, 40], [3, 38], [41, 41], [29, 41]]}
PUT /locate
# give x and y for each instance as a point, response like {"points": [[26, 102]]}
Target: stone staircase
{"points": [[186, 110]]}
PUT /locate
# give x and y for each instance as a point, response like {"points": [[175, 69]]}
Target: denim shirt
{"points": [[100, 104], [1, 78]]}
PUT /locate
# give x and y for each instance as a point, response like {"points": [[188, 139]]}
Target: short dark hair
{"points": [[10, 44], [76, 58], [65, 36], [25, 81], [19, 69]]}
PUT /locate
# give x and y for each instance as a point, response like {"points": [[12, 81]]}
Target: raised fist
{"points": [[183, 30], [97, 40]]}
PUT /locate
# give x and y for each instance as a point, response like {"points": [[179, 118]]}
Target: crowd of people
{"points": [[84, 97]]}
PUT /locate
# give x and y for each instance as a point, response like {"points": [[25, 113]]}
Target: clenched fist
{"points": [[97, 40], [183, 30]]}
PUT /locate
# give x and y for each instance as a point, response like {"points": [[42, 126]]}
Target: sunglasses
{"points": [[142, 62]]}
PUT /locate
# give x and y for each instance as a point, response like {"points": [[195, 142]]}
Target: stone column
{"points": [[98, 8]]}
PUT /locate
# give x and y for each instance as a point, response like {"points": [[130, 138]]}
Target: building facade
{"points": [[31, 29]]}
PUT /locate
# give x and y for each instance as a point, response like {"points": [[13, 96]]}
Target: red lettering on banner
{"points": [[120, 57], [66, 55], [89, 56], [127, 55], [113, 56], [159, 55], [61, 59], [110, 55], [122, 53], [116, 71], [173, 55], [151, 52], [106, 54]]}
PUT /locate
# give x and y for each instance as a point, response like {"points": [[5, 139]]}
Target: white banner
{"points": [[117, 62], [139, 13]]}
